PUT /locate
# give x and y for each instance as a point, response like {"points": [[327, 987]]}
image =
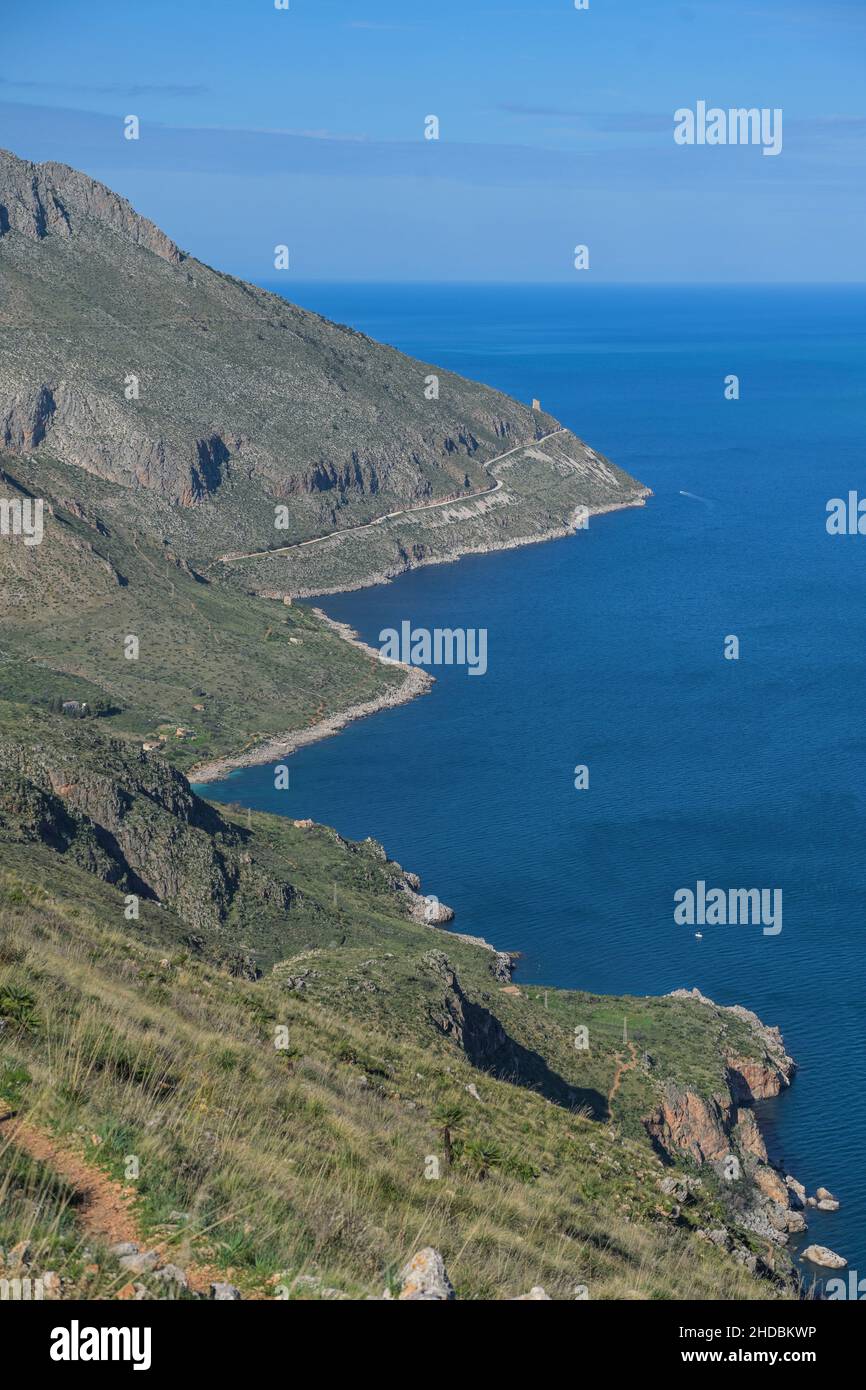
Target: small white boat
{"points": [[699, 936]]}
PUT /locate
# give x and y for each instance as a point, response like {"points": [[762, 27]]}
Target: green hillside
{"points": [[156, 1037]]}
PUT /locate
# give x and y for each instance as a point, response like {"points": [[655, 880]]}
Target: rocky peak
{"points": [[53, 200]]}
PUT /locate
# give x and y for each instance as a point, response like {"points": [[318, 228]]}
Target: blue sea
{"points": [[607, 649]]}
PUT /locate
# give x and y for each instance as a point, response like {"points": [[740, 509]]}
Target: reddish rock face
{"points": [[695, 1126], [770, 1184], [751, 1080], [749, 1136]]}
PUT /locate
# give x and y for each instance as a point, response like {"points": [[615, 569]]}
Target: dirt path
{"points": [[621, 1068], [105, 1211], [406, 511]]}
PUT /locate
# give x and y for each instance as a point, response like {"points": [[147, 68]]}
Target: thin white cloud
{"points": [[131, 89]]}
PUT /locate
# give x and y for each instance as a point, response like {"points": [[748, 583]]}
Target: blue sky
{"points": [[306, 127]]}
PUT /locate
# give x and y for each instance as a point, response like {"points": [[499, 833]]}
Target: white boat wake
{"points": [[706, 500]]}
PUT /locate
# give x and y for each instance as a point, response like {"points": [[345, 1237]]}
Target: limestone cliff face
{"points": [[123, 356], [41, 200]]}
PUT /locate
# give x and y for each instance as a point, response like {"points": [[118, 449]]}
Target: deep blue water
{"points": [[607, 649]]}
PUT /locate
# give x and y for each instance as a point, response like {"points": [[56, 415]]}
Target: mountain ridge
{"points": [[194, 391], [43, 195], [155, 948]]}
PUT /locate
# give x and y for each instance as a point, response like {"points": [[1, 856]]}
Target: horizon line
{"points": [[594, 284]]}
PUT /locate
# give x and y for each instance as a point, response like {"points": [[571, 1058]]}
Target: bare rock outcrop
{"points": [[42, 200], [722, 1132], [751, 1078], [686, 1124], [134, 822], [429, 909], [821, 1255], [425, 1279], [748, 1136], [476, 1030]]}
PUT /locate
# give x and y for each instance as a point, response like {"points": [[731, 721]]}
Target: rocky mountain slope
{"points": [[209, 401], [315, 1080], [162, 412], [278, 1012], [217, 669]]}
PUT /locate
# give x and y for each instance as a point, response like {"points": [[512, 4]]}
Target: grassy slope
{"points": [[120, 1038], [69, 603], [313, 1160], [289, 1165]]}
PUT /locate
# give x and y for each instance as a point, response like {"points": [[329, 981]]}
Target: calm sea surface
{"points": [[606, 649]]}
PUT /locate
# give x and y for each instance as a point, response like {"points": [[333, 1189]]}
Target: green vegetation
{"points": [[292, 1113], [257, 668], [542, 486], [240, 1018], [40, 1209], [194, 405], [312, 1159]]}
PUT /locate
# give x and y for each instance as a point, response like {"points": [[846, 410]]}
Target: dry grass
{"points": [[296, 1162]]}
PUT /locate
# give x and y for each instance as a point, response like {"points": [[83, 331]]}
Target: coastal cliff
{"points": [[215, 451], [720, 1132], [616, 1164], [207, 411], [308, 1069]]}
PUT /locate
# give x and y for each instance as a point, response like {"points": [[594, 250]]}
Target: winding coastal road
{"points": [[406, 511]]}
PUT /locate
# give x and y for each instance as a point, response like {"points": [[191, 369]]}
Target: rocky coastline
{"points": [[417, 682], [722, 1133], [416, 562]]}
